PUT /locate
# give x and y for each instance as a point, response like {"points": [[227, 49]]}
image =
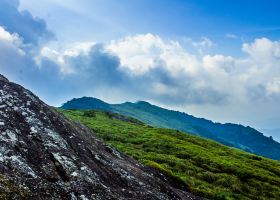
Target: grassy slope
{"points": [[233, 135], [208, 168]]}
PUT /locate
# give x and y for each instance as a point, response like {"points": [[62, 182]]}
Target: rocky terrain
{"points": [[43, 155]]}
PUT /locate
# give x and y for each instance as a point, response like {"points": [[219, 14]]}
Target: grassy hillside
{"points": [[206, 167], [234, 135]]}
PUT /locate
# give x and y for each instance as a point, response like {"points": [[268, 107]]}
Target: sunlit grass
{"points": [[207, 168]]}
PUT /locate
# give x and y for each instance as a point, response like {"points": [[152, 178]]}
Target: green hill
{"points": [[234, 135], [207, 168]]}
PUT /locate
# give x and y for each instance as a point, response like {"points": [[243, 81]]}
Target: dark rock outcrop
{"points": [[43, 155]]}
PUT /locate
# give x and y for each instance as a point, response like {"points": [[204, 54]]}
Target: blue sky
{"points": [[206, 57], [104, 20]]}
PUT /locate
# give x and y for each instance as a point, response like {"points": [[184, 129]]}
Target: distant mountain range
{"points": [[234, 135]]}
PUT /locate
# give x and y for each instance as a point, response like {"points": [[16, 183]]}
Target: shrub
{"points": [[208, 177], [89, 113]]}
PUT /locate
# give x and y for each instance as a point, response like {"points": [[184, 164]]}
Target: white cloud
{"points": [[79, 48], [10, 41], [231, 36], [263, 49], [12, 53], [219, 63], [238, 77], [165, 70], [56, 57], [273, 87], [203, 43], [141, 53], [4, 35], [63, 59]]}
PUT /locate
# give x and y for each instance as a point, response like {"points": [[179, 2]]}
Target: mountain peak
{"points": [[85, 103], [143, 103], [85, 98], [3, 78]]}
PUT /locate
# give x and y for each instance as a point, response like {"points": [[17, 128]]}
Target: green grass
{"points": [[207, 168]]}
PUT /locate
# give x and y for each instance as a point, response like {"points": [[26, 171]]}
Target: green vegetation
{"points": [[233, 135], [208, 169]]}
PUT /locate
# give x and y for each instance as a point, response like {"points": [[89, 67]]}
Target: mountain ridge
{"points": [[230, 134]]}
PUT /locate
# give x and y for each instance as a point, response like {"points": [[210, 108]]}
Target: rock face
{"points": [[43, 155]]}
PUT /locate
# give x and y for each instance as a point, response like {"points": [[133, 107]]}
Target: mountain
{"points": [[234, 135], [275, 132], [208, 169], [87, 103], [43, 155]]}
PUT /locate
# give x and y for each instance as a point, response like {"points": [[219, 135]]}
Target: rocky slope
{"points": [[45, 156]]}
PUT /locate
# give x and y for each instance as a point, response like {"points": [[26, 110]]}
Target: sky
{"points": [[210, 58]]}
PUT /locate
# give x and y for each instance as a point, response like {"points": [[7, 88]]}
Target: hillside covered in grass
{"points": [[207, 168], [233, 135]]}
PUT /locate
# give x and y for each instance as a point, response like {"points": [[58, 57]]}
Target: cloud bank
{"points": [[143, 66], [163, 70]]}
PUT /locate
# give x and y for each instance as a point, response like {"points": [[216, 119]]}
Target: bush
{"points": [[89, 113], [208, 177]]}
